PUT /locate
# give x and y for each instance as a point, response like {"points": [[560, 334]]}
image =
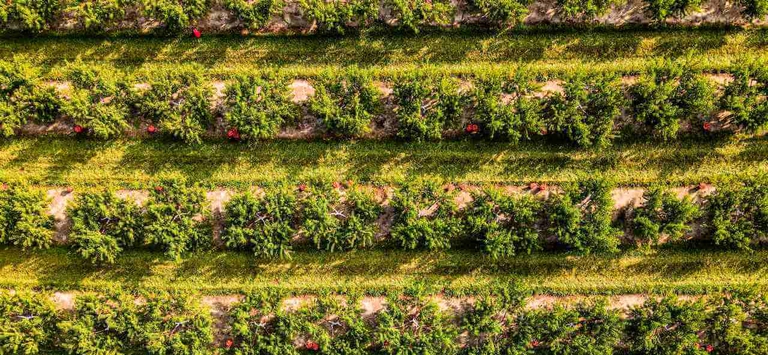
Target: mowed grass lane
{"points": [[547, 52], [376, 271], [142, 163]]}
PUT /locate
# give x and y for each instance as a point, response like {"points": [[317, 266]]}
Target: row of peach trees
{"points": [[411, 322], [329, 16], [591, 110], [424, 216]]}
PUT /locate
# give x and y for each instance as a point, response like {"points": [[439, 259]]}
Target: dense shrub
{"points": [[506, 109], [754, 9], [23, 97], [347, 105], [97, 100], [339, 221], [505, 225], [24, 218], [258, 106], [666, 326], [172, 221], [261, 325], [413, 14], [662, 213], [501, 13], [100, 15], [584, 9], [669, 94], [581, 217], [254, 14], [103, 225], [175, 15], [586, 328], [424, 216], [27, 323], [415, 323], [734, 324], [745, 97], [173, 324], [738, 215], [31, 15], [337, 16], [660, 10], [266, 225], [178, 101], [585, 112], [163, 323], [100, 323], [426, 106]]}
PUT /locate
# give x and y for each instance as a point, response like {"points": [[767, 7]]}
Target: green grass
{"points": [[376, 271], [548, 52], [141, 163]]}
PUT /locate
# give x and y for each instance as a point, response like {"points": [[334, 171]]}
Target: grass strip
{"points": [[142, 163], [548, 52], [460, 272]]}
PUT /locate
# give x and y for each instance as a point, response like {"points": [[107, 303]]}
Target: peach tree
{"points": [[265, 225], [103, 225], [426, 106]]}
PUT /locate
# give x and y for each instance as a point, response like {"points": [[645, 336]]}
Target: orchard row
{"points": [[421, 215], [495, 322], [587, 110], [177, 16]]}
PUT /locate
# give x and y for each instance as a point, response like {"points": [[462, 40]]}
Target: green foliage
{"points": [[506, 109], [266, 224], [584, 9], [666, 326], [340, 220], [426, 106], [24, 218], [178, 101], [100, 15], [414, 325], [425, 216], [103, 225], [754, 9], [338, 16], [254, 14], [501, 13], [587, 328], [172, 219], [32, 15], [163, 323], [98, 100], [175, 15], [669, 94], [738, 215], [581, 217], [173, 324], [660, 10], [662, 213], [346, 105], [744, 98], [24, 97], [586, 111], [413, 14], [258, 106], [261, 326], [505, 225], [100, 323], [27, 323], [734, 325]]}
